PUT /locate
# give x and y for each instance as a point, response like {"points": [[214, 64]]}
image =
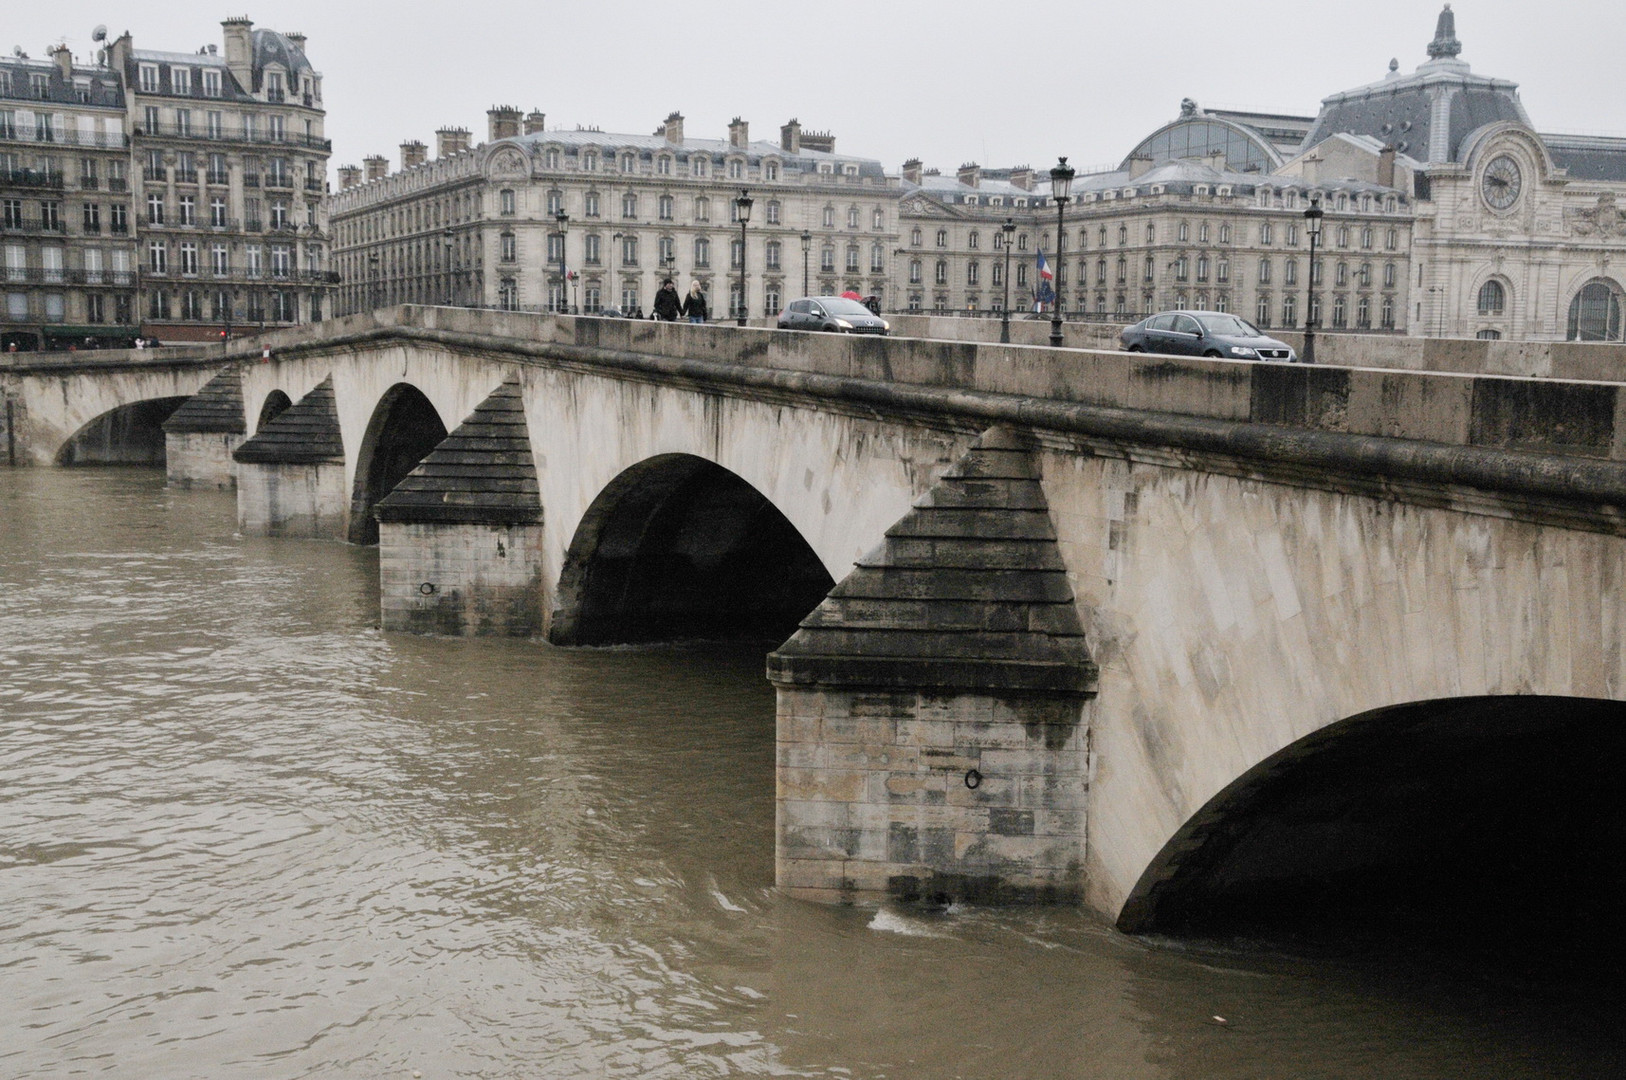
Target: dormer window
{"points": [[274, 87], [736, 169], [629, 163], [211, 84], [770, 170], [180, 80], [553, 157], [663, 165], [698, 165], [149, 78], [590, 162]]}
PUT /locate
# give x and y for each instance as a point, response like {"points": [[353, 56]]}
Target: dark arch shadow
{"points": [[276, 403], [677, 547], [128, 435], [404, 428], [1489, 822]]}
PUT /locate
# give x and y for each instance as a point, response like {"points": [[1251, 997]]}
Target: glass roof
{"points": [[1197, 137]]}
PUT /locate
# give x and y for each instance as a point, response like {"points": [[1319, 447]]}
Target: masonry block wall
{"points": [[931, 711], [200, 458], [462, 579], [290, 499], [931, 796]]}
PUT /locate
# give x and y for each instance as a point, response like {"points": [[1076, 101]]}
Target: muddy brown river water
{"points": [[243, 833]]}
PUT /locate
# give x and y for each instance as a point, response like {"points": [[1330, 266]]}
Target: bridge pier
{"points": [[931, 733], [200, 436], [290, 477], [460, 538]]}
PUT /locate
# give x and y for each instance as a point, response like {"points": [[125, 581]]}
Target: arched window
{"points": [[942, 238], [914, 271], [1595, 313], [1492, 298], [973, 239], [942, 272], [702, 251]]}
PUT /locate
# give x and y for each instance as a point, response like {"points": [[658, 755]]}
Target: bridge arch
{"points": [[130, 434], [679, 547], [1465, 818], [276, 403], [404, 427]]}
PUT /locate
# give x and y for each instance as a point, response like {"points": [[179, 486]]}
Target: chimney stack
{"points": [[377, 165], [790, 137], [821, 141], [413, 153], [1022, 177], [672, 129], [64, 61], [451, 140], [1386, 166], [1139, 167], [240, 50], [296, 40], [349, 176], [502, 122], [536, 121], [739, 133], [970, 174], [911, 170]]}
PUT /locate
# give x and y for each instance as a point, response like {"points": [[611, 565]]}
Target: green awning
{"points": [[90, 331]]}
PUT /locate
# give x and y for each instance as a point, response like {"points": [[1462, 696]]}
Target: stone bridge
{"points": [[1181, 639]]}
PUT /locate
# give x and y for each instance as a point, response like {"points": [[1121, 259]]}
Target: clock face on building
{"points": [[1501, 183]]}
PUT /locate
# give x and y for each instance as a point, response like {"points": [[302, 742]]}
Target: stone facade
{"points": [[483, 226], [69, 253], [291, 474], [200, 458], [228, 162], [462, 579]]}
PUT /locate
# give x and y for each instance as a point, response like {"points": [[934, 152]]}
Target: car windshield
{"points": [[838, 305], [1228, 324]]}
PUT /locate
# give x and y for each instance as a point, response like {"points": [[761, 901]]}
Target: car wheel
{"points": [[1136, 348], [1215, 353]]}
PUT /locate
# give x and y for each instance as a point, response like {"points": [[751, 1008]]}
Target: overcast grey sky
{"points": [[946, 81]]}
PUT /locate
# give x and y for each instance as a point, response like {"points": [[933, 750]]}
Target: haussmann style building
{"points": [[167, 195], [584, 220]]}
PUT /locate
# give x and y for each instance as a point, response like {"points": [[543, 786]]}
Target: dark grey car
{"points": [[835, 314], [1203, 333]]}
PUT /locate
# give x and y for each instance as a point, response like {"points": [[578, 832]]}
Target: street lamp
{"points": [[1061, 186], [807, 246], [1009, 229], [742, 208], [372, 264], [451, 281], [1312, 225], [563, 219]]}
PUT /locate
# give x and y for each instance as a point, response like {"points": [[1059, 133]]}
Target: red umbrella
{"points": [[850, 295]]}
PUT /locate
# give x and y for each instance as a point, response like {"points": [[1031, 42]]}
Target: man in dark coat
{"points": [[668, 305]]}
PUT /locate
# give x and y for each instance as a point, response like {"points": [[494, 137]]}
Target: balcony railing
{"points": [[232, 135], [31, 178], [65, 137], [34, 225], [313, 184], [117, 183], [45, 276], [251, 179], [253, 225], [155, 174], [279, 180]]}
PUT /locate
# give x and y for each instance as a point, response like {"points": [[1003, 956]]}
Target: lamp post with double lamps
{"points": [[1312, 225], [1009, 229], [1061, 186], [563, 219], [742, 210]]}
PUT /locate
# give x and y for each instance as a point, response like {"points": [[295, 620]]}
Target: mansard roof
{"points": [[105, 91], [1427, 114], [717, 149]]}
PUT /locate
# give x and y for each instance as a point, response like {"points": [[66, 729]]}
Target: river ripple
{"points": [[244, 833]]}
